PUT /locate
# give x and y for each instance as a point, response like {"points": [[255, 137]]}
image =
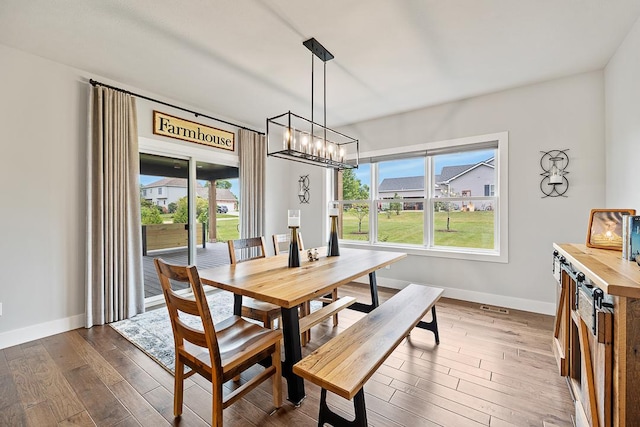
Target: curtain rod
{"points": [[96, 83]]}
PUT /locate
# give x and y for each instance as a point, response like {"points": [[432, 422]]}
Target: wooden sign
{"points": [[175, 127]]}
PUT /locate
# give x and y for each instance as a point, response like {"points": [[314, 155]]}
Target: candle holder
{"points": [[554, 181], [332, 246], [293, 220], [294, 250]]}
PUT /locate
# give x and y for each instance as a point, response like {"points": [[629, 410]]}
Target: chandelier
{"points": [[293, 137]]}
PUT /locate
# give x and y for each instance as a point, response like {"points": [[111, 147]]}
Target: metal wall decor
{"points": [[554, 181], [303, 189]]}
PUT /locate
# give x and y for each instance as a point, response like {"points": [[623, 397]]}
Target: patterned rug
{"points": [[151, 331]]}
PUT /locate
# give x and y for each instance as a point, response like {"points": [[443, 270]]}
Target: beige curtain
{"points": [[252, 148], [114, 289]]}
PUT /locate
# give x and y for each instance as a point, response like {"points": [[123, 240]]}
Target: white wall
{"points": [[278, 195], [42, 182], [622, 84], [561, 114]]}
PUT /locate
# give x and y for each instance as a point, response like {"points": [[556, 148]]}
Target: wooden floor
{"points": [[489, 369]]}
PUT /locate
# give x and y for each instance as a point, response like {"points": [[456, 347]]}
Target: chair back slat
{"points": [[251, 248], [184, 305], [281, 243], [194, 336]]}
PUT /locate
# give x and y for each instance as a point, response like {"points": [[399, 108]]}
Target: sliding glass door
{"points": [[189, 210], [164, 209]]}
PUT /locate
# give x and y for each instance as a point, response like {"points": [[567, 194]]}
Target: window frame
{"points": [[501, 191]]}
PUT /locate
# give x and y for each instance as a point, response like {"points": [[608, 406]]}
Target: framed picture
{"points": [[605, 228]]}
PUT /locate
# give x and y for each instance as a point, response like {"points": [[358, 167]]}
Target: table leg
{"points": [[373, 285], [237, 304], [292, 354]]}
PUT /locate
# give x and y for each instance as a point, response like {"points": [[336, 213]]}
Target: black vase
{"points": [[332, 246], [294, 250]]}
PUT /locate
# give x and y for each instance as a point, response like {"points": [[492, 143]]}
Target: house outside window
{"points": [[444, 199], [489, 189]]}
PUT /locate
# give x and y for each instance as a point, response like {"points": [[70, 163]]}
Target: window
{"points": [[446, 199], [159, 190], [489, 189]]}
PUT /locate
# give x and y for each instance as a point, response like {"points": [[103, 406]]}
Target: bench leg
{"points": [[331, 418], [431, 326]]}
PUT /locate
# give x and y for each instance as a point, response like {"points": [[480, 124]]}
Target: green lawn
{"points": [[466, 229], [227, 229]]}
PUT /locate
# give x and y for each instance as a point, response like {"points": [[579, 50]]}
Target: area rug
{"points": [[151, 331]]}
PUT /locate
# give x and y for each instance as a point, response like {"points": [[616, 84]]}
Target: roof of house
{"points": [[450, 172], [225, 194], [402, 184], [168, 182]]}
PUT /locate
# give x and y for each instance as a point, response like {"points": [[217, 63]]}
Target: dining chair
{"points": [[281, 245], [218, 352], [248, 249]]}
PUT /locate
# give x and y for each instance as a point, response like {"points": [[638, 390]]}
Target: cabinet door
{"points": [[561, 329], [596, 361]]}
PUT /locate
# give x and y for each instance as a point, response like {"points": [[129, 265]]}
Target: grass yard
{"points": [[227, 227], [466, 229]]}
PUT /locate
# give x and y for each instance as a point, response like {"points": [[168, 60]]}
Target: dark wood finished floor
{"points": [[490, 369]]}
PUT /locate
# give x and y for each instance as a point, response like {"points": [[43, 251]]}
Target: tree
{"points": [[223, 183], [360, 210], [448, 206], [352, 187], [150, 215], [146, 203], [396, 206], [172, 207], [181, 214]]}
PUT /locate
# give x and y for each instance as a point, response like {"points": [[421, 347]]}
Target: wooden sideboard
{"points": [[597, 333]]}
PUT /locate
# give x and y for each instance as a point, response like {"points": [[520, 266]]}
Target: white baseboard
{"points": [[41, 330], [473, 296]]}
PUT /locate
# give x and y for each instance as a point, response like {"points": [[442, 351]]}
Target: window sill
{"points": [[462, 254]]}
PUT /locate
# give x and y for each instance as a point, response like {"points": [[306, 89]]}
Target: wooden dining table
{"points": [[270, 279]]}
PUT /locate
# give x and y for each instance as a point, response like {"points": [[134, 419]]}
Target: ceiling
{"points": [[244, 60]]}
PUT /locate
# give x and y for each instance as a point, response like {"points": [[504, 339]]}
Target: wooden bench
{"points": [[347, 361], [328, 310]]}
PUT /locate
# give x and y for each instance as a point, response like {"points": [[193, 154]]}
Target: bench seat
{"points": [[345, 363]]}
